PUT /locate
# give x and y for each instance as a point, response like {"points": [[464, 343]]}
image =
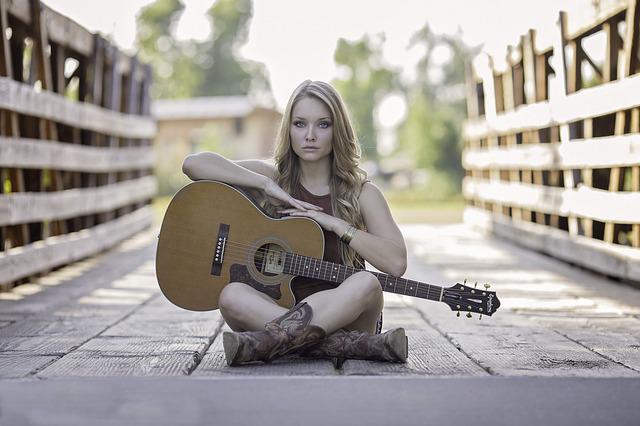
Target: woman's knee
{"points": [[231, 298], [367, 287], [244, 307]]}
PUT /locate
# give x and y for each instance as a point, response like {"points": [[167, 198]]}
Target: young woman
{"points": [[316, 175]]}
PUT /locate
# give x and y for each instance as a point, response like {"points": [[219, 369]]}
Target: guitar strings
{"points": [[238, 252]]}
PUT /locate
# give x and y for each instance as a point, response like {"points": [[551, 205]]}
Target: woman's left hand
{"points": [[325, 220]]}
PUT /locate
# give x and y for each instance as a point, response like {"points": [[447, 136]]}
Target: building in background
{"points": [[237, 127]]}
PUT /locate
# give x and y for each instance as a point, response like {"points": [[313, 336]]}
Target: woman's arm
{"points": [[250, 174], [213, 166], [382, 245]]}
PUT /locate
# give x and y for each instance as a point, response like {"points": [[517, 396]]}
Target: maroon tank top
{"points": [[302, 286]]}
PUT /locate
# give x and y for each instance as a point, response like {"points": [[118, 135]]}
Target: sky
{"points": [[296, 39]]}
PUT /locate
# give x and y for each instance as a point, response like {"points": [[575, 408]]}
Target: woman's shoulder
{"points": [[368, 187], [371, 195]]}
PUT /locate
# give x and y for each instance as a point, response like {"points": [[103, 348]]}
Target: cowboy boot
{"points": [[288, 333], [391, 346]]}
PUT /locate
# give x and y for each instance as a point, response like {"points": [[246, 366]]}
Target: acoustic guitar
{"points": [[213, 234]]}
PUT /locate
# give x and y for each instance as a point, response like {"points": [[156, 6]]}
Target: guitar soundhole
{"points": [[269, 259]]}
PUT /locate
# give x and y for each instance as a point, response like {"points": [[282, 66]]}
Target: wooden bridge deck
{"points": [[105, 316]]}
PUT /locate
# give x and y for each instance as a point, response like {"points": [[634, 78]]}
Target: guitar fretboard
{"points": [[310, 267]]}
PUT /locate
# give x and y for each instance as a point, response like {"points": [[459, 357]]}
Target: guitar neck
{"points": [[310, 267]]}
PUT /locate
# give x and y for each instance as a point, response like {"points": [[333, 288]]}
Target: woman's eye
{"points": [[298, 123], [325, 124]]}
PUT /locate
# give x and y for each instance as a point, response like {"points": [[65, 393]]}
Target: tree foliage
{"points": [[431, 132], [211, 67], [228, 74], [367, 82]]}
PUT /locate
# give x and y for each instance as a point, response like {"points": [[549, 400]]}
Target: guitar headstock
{"points": [[463, 298]]}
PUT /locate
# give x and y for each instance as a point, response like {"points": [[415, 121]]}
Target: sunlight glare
{"points": [[391, 110]]}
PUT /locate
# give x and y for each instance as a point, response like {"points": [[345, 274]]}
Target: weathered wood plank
{"points": [[24, 99], [29, 207], [116, 356], [620, 207], [601, 152], [24, 261], [144, 345], [564, 83], [54, 328], [87, 363], [16, 365], [42, 154], [41, 65], [630, 44], [39, 345], [536, 352], [619, 346], [160, 309], [206, 325]]}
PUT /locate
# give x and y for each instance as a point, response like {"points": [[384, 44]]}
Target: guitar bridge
{"points": [[218, 255]]}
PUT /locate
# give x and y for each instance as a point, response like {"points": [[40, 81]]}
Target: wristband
{"points": [[348, 234]]}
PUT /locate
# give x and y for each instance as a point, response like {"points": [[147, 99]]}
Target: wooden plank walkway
{"points": [[105, 316]]}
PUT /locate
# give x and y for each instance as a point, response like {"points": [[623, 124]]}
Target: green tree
{"points": [[208, 68], [367, 82], [226, 73], [432, 129], [173, 73]]}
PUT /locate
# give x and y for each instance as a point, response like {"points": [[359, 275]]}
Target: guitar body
{"points": [[205, 214]]}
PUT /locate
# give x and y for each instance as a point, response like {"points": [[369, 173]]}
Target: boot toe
{"points": [[399, 344], [231, 343]]}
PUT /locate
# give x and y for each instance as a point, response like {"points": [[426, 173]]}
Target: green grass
{"points": [[449, 211], [159, 205], [422, 206]]}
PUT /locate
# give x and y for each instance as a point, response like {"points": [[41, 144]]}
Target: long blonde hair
{"points": [[346, 177]]}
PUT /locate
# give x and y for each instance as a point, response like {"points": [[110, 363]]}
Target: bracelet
{"points": [[348, 234]]}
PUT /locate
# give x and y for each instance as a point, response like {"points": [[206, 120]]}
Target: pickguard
{"points": [[239, 273]]}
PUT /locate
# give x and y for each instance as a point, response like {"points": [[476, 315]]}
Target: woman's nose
{"points": [[310, 134]]}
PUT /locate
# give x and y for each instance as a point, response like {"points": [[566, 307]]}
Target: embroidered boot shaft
{"points": [[286, 334], [391, 346]]}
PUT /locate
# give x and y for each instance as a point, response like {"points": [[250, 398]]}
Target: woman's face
{"points": [[311, 129]]}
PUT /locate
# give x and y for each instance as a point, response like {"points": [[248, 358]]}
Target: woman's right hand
{"points": [[273, 191]]}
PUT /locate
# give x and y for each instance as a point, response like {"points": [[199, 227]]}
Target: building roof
{"points": [[207, 107]]}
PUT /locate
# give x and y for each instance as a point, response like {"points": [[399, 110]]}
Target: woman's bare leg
{"points": [[355, 304], [246, 309]]}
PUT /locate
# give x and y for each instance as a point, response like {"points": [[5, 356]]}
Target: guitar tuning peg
{"points": [[475, 284], [487, 286], [468, 314], [458, 314], [480, 317], [465, 281]]}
